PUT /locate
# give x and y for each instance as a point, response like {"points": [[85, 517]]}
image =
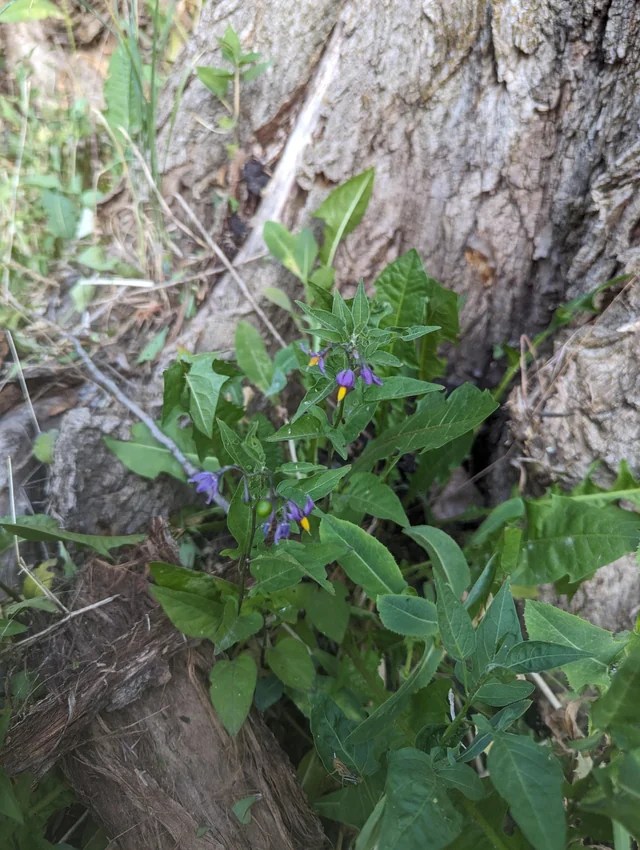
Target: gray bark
{"points": [[504, 138]]}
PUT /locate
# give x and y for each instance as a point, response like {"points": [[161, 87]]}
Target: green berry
{"points": [[263, 508]]}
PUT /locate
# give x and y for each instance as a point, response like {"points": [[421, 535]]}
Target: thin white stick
{"points": [[546, 690], [234, 274], [21, 380], [106, 383], [19, 560], [70, 616]]}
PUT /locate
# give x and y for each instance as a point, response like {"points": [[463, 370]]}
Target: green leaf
{"points": [[296, 253], [342, 211], [317, 486], [503, 693], [365, 493], [204, 387], [9, 803], [288, 562], [398, 386], [44, 445], [279, 298], [365, 560], [532, 656], [331, 729], [62, 214], [529, 777], [548, 623], [329, 613], [239, 520], [194, 615], [232, 687], [360, 308], [45, 528], [436, 424], [24, 11], [123, 96], [230, 46], [446, 556], [215, 79], [252, 356], [174, 382], [382, 718], [289, 659], [619, 706], [417, 805], [617, 793], [498, 631], [568, 537], [145, 456], [412, 616], [463, 778], [402, 285], [455, 624], [153, 348], [242, 809], [9, 628]]}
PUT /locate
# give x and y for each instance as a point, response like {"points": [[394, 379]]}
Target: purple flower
{"points": [[283, 530], [208, 483], [316, 358], [345, 380], [299, 515], [368, 375]]}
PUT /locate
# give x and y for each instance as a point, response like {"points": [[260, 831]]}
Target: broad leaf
{"points": [[498, 631], [204, 390], [455, 624], [365, 493], [215, 79], [382, 718], [331, 729], [193, 614], [532, 656], [504, 693], [252, 356], [40, 527], [463, 778], [232, 687], [365, 560], [289, 659], [447, 558], [329, 613], [62, 214], [439, 422], [619, 706], [24, 11], [568, 537], [417, 805], [342, 211], [546, 622], [122, 93], [412, 616], [529, 777]]}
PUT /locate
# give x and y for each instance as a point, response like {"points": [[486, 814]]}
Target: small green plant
{"points": [[245, 67], [401, 646]]}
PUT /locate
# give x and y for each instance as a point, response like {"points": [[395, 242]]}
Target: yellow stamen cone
{"points": [[304, 523], [342, 391], [314, 360]]}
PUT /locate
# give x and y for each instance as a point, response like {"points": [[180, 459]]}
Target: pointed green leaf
{"points": [[204, 387], [232, 687], [412, 616], [45, 528], [455, 624], [532, 656], [342, 211], [365, 560], [529, 777], [619, 706], [252, 356], [546, 622], [417, 805], [448, 560], [289, 659]]}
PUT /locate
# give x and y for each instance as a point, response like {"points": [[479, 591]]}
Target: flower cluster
{"points": [[345, 379], [291, 513]]}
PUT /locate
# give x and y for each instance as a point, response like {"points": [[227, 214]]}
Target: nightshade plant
{"points": [[412, 670]]}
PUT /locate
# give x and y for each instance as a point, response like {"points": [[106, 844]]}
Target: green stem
{"points": [[245, 560]]}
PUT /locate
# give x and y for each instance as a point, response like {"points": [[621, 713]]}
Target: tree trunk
{"points": [[504, 138]]}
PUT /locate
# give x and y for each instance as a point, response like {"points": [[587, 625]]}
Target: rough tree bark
{"points": [[504, 137]]}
